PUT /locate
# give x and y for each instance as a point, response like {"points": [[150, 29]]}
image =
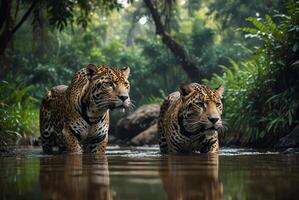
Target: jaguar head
{"points": [[108, 87], [201, 107]]}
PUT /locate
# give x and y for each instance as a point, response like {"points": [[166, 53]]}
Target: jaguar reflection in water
{"points": [[191, 177], [142, 173], [75, 177]]}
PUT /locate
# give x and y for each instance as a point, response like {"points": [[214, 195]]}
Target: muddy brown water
{"points": [[142, 173]]}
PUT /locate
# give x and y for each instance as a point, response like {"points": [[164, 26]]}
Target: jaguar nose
{"points": [[213, 119], [123, 98]]}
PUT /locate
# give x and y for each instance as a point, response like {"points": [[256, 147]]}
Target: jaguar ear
{"points": [[126, 71], [219, 91], [91, 70], [185, 90]]}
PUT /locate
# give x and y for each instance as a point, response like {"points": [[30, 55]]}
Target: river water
{"points": [[142, 173]]}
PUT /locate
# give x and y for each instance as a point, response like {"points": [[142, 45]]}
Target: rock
{"points": [[291, 151], [147, 137], [291, 140], [112, 139], [144, 117]]}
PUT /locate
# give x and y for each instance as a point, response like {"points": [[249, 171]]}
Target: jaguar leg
{"points": [[47, 138], [72, 143], [96, 145], [47, 131], [162, 141]]}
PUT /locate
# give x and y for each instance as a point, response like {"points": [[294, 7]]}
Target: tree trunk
{"points": [[194, 72], [38, 33], [6, 23], [4, 9], [8, 32]]}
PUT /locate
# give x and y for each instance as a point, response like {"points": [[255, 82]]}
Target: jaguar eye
{"points": [[109, 84], [126, 84], [188, 115]]}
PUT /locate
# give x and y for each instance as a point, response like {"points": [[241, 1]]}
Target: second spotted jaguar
{"points": [[190, 119]]}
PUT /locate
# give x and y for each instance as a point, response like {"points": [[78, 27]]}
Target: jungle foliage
{"points": [[18, 113], [262, 92]]}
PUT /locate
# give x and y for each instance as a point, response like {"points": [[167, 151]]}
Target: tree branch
{"points": [[17, 9], [194, 72], [7, 34], [23, 19]]}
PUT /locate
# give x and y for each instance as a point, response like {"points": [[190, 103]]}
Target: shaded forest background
{"points": [[252, 47]]}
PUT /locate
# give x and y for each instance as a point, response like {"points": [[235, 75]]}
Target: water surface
{"points": [[142, 173]]}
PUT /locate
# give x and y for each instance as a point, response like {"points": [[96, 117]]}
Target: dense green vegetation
{"points": [[262, 91], [261, 83], [18, 111]]}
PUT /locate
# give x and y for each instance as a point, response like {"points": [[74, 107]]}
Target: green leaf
{"points": [[295, 46]]}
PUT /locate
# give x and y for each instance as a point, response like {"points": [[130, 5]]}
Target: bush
{"points": [[261, 99], [19, 113]]}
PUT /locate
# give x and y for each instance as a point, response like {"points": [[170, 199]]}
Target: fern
{"points": [[260, 97], [19, 113]]}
